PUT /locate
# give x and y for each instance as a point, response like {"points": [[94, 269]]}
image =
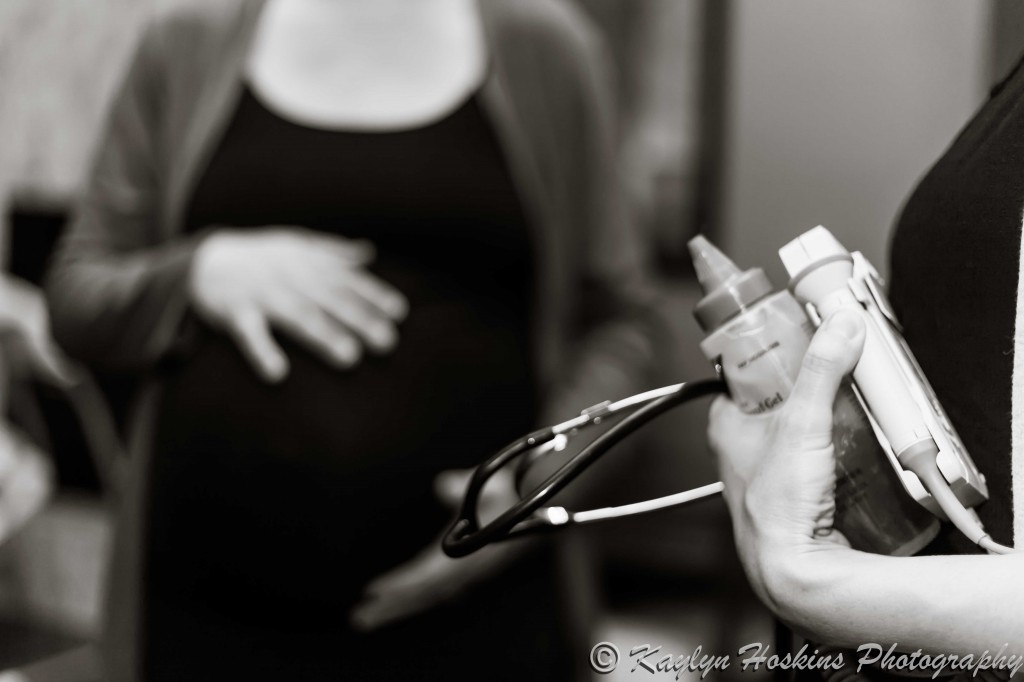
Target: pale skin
{"points": [[779, 476], [346, 65], [358, 66]]}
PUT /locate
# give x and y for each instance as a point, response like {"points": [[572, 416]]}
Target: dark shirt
{"points": [[272, 506], [954, 287]]}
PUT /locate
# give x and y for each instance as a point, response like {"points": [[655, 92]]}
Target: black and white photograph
{"points": [[512, 340]]}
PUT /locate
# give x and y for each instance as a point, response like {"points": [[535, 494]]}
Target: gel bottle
{"points": [[758, 337]]}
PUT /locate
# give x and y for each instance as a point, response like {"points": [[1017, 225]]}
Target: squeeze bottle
{"points": [[758, 337]]}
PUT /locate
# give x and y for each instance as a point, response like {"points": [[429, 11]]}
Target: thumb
{"points": [[833, 353]]}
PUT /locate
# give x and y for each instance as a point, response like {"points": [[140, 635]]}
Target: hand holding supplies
{"points": [[893, 443]]}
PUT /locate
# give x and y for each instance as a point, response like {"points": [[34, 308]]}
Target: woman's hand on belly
{"points": [[313, 287]]}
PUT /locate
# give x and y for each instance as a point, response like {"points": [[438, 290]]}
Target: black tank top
{"points": [[954, 287], [272, 506]]}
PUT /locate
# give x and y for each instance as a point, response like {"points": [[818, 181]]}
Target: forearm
{"points": [[119, 309], [939, 604], [611, 363]]}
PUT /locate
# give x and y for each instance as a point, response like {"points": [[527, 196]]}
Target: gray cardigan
{"points": [[117, 284]]}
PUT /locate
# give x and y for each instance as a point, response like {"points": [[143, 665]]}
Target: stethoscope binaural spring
{"points": [[527, 515]]}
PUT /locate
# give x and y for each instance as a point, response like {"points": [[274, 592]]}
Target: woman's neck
{"points": [[381, 64]]}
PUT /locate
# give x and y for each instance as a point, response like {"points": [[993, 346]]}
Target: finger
{"points": [[450, 486], [28, 489], [368, 615], [411, 588], [351, 251], [497, 495], [25, 487], [719, 407], [833, 353], [375, 329], [426, 568], [377, 293], [251, 333], [429, 579], [721, 420], [312, 327], [52, 364], [377, 612], [14, 675], [728, 425]]}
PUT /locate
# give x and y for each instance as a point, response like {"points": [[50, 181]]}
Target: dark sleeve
{"points": [[116, 292], [615, 318], [615, 323]]}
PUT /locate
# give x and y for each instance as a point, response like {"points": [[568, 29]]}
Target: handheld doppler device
{"points": [[749, 322], [911, 425]]}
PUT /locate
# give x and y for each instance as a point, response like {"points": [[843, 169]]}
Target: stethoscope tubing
{"points": [[466, 535]]}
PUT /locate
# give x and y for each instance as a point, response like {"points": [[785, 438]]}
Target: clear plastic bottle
{"points": [[758, 337]]}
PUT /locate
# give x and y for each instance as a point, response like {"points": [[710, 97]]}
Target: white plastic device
{"points": [[903, 409]]}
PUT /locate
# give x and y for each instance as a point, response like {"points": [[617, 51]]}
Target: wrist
{"points": [[203, 269], [804, 585]]}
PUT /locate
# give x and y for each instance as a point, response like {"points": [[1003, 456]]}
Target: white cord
{"points": [[923, 464], [648, 505], [594, 414], [645, 397]]}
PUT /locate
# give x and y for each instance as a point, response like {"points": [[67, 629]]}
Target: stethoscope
{"points": [[527, 515]]}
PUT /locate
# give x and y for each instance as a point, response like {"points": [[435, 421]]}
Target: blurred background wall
{"points": [[837, 108], [59, 63], [832, 108]]}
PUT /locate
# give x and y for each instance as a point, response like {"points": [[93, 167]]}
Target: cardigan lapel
{"points": [[525, 168], [212, 103]]}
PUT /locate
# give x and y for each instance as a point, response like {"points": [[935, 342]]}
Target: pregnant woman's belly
{"points": [[302, 491]]}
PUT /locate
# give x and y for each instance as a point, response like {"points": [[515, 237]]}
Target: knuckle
{"points": [[717, 427], [243, 320], [383, 294], [718, 409], [715, 439], [344, 352], [340, 336], [752, 503], [279, 302], [748, 502], [356, 313], [820, 361], [804, 430], [302, 310], [382, 333], [790, 425], [789, 419], [315, 327]]}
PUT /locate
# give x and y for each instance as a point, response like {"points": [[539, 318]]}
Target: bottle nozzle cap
{"points": [[727, 289], [713, 267]]}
